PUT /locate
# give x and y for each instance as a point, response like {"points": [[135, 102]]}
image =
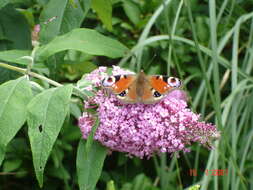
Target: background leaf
{"points": [[86, 5], [3, 3], [11, 165], [132, 11], [46, 114], [89, 164], [104, 11], [15, 56], [11, 22], [59, 17], [53, 10], [14, 97], [73, 16], [85, 40]]}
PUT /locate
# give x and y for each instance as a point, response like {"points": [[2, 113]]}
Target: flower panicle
{"points": [[142, 130]]}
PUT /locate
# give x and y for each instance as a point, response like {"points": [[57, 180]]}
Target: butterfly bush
{"points": [[143, 130]]}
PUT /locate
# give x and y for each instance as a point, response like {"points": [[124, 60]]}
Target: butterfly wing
{"points": [[140, 88], [164, 84], [157, 87], [123, 86]]}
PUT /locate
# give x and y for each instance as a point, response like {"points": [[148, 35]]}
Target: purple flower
{"points": [[143, 130]]}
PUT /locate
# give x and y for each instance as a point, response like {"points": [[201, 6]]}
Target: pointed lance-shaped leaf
{"points": [[46, 114]]}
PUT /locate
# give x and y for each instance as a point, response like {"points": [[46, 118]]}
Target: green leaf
{"points": [[132, 11], [14, 97], [53, 9], [28, 14], [14, 34], [21, 2], [6, 75], [42, 2], [46, 114], [3, 3], [57, 154], [59, 172], [85, 4], [110, 185], [15, 56], [75, 110], [73, 16], [127, 186], [74, 70], [14, 30], [59, 17], [18, 147], [2, 153], [84, 40], [194, 187], [89, 163], [104, 11], [142, 182], [11, 165]]}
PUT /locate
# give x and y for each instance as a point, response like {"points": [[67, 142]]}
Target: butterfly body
{"points": [[140, 88]]}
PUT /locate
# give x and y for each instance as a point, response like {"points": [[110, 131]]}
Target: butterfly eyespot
{"points": [[174, 82], [108, 81], [122, 94], [156, 94]]}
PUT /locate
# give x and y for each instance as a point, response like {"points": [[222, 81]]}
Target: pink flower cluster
{"points": [[142, 130]]}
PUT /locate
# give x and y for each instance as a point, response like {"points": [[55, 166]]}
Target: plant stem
{"points": [[164, 180], [78, 92], [178, 175], [35, 75]]}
